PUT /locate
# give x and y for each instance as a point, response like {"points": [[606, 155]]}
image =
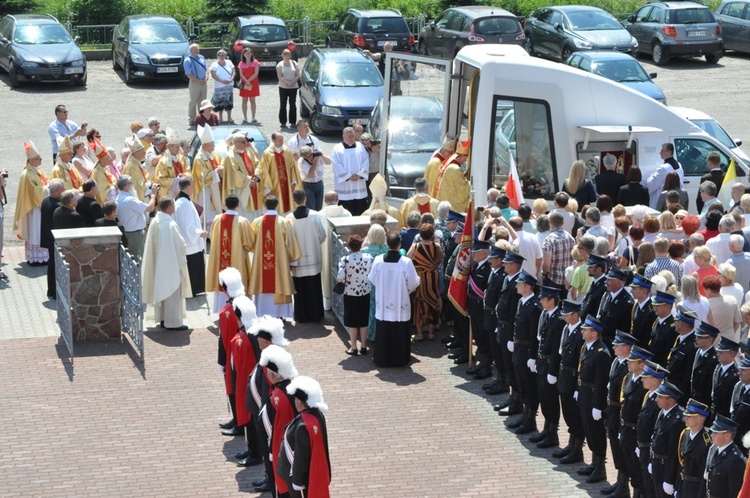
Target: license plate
{"points": [[696, 33], [74, 70], [268, 64], [383, 42], [173, 69], [362, 121]]}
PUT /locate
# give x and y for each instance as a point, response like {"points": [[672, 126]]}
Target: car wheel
{"points": [[316, 124], [13, 76], [660, 58], [303, 111], [115, 66], [423, 48], [81, 81], [128, 76], [529, 44], [713, 58], [565, 54]]}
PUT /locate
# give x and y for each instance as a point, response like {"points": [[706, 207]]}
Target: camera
{"points": [[375, 141], [250, 139], [317, 153], [5, 174]]}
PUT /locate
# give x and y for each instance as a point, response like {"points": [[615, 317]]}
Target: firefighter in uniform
{"points": [[665, 440], [693, 451], [725, 377], [663, 333], [506, 315], [682, 354], [652, 377], [643, 315], [616, 306], [597, 266], [741, 402], [491, 298], [725, 463], [704, 363], [478, 279], [632, 396]]}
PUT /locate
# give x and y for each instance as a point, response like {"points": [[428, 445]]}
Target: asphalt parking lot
{"points": [[109, 106]]}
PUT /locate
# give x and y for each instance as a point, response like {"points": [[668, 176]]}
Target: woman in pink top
{"points": [[249, 71], [703, 258]]}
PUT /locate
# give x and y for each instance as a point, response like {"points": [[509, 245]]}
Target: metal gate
{"points": [[132, 306], [62, 290], [338, 251]]}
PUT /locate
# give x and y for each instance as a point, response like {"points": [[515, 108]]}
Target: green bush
{"points": [[17, 6]]}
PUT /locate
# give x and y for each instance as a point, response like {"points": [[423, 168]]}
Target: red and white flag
{"points": [[513, 186], [458, 289]]}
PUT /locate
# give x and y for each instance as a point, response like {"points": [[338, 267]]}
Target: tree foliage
{"points": [[17, 6], [224, 10]]}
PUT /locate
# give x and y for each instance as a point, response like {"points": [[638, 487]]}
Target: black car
{"points": [[152, 47], [557, 32], [371, 30], [267, 36], [38, 48]]}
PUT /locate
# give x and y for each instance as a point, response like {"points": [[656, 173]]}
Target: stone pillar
{"points": [[93, 256]]}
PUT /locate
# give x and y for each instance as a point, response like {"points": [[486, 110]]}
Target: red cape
{"points": [[244, 361], [320, 469], [228, 328], [284, 414]]}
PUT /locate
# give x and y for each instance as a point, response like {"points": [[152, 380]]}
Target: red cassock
{"points": [[320, 469], [228, 328], [284, 413], [243, 363]]}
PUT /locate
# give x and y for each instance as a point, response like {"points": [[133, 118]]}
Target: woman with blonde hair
{"points": [[578, 187], [704, 259], [745, 205], [693, 300], [729, 287], [538, 208], [668, 227], [375, 247]]}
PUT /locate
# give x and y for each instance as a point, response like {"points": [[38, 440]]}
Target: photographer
{"points": [[3, 202], [302, 138], [311, 164], [132, 212]]}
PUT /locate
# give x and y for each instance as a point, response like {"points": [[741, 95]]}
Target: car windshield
{"points": [[625, 71], [350, 75], [264, 33], [157, 33], [46, 34], [415, 124], [496, 26], [592, 20], [385, 25], [690, 16], [714, 129]]}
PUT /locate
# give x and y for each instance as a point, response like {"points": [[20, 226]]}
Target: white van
{"points": [[548, 115]]}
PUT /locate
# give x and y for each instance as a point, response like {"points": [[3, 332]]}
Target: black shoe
{"points": [[511, 409], [236, 431], [518, 422], [363, 351], [250, 462], [241, 456], [528, 426], [229, 424], [599, 475], [473, 370], [266, 486], [496, 390], [562, 452], [573, 456], [446, 340], [504, 404], [453, 345], [457, 354], [181, 327], [548, 442], [586, 471], [608, 490], [259, 482], [538, 437], [460, 360], [490, 385]]}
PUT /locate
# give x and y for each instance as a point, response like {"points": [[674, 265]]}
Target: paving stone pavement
{"points": [[111, 425]]}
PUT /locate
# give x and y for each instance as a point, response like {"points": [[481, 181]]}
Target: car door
{"points": [[539, 31], [743, 37], [453, 32], [121, 44], [310, 73], [636, 27], [228, 39], [438, 36], [557, 35], [337, 35], [650, 26]]}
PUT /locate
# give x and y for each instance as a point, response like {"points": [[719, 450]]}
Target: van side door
{"points": [[691, 152]]}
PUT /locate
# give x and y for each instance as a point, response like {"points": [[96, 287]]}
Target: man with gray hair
{"points": [[351, 165], [609, 182], [155, 153], [707, 192], [492, 196], [65, 215], [740, 260], [131, 213], [49, 205], [595, 229], [719, 244], [197, 73]]}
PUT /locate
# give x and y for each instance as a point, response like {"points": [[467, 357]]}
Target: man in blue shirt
{"points": [[61, 127], [195, 70]]}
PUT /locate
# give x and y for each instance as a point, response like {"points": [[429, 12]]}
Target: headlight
{"points": [[139, 59], [633, 42], [77, 63], [582, 43], [333, 111], [392, 180], [28, 64]]}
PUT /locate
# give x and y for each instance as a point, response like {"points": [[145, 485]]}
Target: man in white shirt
{"points": [[561, 201], [311, 163], [740, 260], [131, 213], [61, 127], [191, 229], [719, 245], [302, 138], [655, 182], [350, 169]]}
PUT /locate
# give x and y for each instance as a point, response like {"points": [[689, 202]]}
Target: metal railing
{"points": [[338, 251], [92, 34], [132, 305], [62, 291]]}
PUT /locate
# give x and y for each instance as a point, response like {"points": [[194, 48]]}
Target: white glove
{"points": [[638, 452], [531, 363], [215, 176], [298, 488], [575, 395], [551, 379], [221, 367], [668, 488], [510, 346], [596, 414], [619, 437], [649, 469]]}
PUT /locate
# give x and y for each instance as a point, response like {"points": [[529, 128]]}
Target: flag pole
{"points": [[471, 330]]}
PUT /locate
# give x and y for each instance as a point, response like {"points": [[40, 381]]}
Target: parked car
{"points": [[713, 128], [150, 47], [267, 36], [557, 32], [340, 87], [670, 29], [460, 26], [259, 139], [733, 17], [371, 30], [38, 48], [622, 68], [413, 134]]}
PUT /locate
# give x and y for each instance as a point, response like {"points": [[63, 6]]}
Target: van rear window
{"points": [[690, 16], [497, 26], [385, 25]]}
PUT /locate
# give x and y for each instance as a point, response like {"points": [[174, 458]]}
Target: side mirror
{"points": [[310, 82], [121, 38], [738, 141], [192, 37], [630, 18], [77, 40], [558, 26], [512, 146], [652, 75], [3, 40], [432, 25], [332, 26]]}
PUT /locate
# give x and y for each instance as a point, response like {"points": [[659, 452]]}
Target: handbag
{"points": [[341, 286]]}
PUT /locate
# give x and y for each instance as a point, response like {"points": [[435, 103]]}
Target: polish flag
{"points": [[513, 186]]}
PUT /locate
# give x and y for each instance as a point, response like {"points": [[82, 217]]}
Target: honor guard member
{"points": [[725, 377], [643, 315], [593, 375], [564, 373], [693, 451], [725, 463], [682, 354], [616, 306], [741, 402], [622, 345], [304, 461], [231, 281], [652, 377], [704, 363], [665, 466], [491, 298], [632, 396], [597, 267], [506, 316], [548, 337], [663, 333], [243, 359], [478, 279], [524, 347], [279, 408], [268, 331]]}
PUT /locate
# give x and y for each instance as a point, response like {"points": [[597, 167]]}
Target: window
{"points": [[692, 153], [544, 15], [556, 18], [643, 14], [691, 16], [734, 9], [457, 22], [497, 26], [444, 19], [575, 61], [655, 15], [522, 131], [313, 67], [586, 64]]}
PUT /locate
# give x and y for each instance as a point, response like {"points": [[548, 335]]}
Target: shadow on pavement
{"points": [[169, 338], [198, 303], [135, 356], [28, 271], [400, 376], [359, 364], [86, 349]]}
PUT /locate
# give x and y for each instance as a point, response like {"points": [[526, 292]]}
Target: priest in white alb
{"points": [[164, 273], [32, 189], [191, 229]]}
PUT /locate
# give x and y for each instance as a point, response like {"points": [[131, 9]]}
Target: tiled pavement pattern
{"points": [[112, 426]]}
